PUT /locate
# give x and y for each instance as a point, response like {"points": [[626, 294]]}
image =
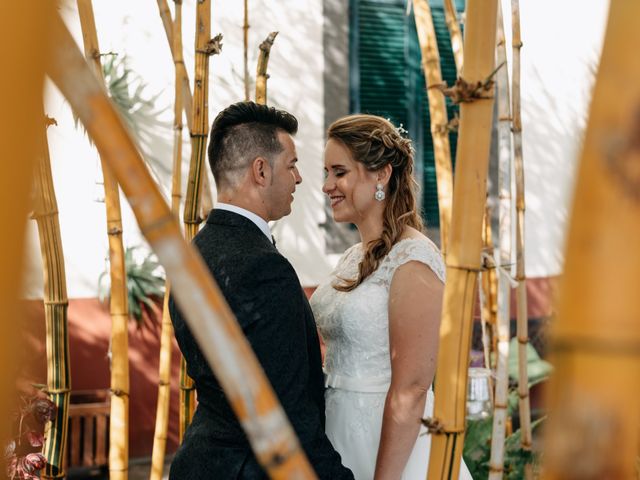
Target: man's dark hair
{"points": [[242, 132]]}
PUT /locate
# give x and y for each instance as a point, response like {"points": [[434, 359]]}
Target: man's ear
{"points": [[384, 174], [261, 171]]}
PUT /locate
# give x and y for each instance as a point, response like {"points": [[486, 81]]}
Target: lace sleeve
{"points": [[415, 249]]}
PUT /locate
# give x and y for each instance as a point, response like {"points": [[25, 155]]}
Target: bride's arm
{"points": [[415, 303]]}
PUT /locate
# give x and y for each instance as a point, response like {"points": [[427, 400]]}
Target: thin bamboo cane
{"points": [[209, 317], [167, 23], [521, 290], [261, 73], [488, 290], [455, 33], [166, 335], [465, 245], [206, 198], [438, 115], [118, 304], [20, 94], [245, 53], [503, 258], [595, 341], [205, 46], [55, 307]]}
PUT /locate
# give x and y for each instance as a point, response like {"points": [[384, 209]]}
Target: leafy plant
{"points": [[145, 283], [128, 91], [477, 446], [22, 454]]}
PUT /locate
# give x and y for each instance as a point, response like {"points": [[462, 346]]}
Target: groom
{"points": [[253, 160]]}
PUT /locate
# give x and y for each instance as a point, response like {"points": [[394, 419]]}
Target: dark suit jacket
{"points": [[264, 292]]}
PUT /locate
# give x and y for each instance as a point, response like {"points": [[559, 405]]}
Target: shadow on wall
{"points": [[89, 331]]}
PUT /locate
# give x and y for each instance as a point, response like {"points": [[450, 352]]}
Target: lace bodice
{"points": [[355, 325]]}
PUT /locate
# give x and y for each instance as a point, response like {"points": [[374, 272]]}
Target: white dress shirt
{"points": [[258, 221]]}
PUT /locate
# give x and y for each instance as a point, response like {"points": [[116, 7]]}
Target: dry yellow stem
{"points": [[465, 244], [118, 304], [261, 73], [595, 341], [21, 94], [438, 115]]}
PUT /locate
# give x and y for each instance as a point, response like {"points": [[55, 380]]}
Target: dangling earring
{"points": [[379, 195]]}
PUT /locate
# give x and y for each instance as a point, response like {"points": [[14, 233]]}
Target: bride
{"points": [[379, 313]]}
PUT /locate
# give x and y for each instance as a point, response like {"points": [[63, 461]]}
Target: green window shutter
{"points": [[387, 79]]}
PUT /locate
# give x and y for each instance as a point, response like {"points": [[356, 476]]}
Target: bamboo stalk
{"points": [[524, 407], [245, 54], [503, 257], [261, 74], [438, 115], [45, 212], [205, 46], [488, 291], [465, 245], [118, 303], [455, 33], [20, 94], [206, 197], [208, 316], [166, 334], [595, 340], [167, 23]]}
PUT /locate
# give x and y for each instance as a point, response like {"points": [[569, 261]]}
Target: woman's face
{"points": [[349, 185]]}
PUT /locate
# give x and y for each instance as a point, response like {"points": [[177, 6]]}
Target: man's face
{"points": [[284, 178]]}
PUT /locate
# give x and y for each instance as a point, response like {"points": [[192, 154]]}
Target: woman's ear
{"points": [[261, 171], [384, 174]]}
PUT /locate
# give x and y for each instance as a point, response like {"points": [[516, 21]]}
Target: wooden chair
{"points": [[88, 431]]}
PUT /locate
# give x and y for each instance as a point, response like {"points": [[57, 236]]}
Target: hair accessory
{"points": [[379, 195]]}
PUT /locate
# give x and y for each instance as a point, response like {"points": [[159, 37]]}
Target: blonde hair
{"points": [[376, 143]]}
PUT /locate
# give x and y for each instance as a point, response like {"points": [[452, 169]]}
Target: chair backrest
{"points": [[88, 432]]}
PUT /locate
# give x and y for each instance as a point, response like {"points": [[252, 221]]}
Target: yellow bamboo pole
{"points": [[488, 290], [503, 258], [261, 73], [206, 198], [455, 33], [595, 341], [166, 334], [118, 303], [438, 115], [465, 244], [205, 46], [20, 94], [167, 23], [522, 317], [245, 53], [45, 212], [208, 316]]}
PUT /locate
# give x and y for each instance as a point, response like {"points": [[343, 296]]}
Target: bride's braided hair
{"points": [[375, 142]]}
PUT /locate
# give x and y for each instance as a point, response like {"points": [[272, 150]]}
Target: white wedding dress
{"points": [[355, 328]]}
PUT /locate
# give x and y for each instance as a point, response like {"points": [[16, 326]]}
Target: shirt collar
{"points": [[258, 221]]}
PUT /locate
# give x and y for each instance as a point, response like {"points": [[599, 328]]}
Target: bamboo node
{"points": [[118, 392], [523, 395], [57, 302], [622, 152], [187, 388], [433, 425], [496, 469], [163, 383], [265, 46], [56, 391], [114, 231], [466, 92], [212, 47], [523, 340], [48, 121]]}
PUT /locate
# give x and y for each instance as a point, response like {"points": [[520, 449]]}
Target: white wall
{"points": [[562, 42]]}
